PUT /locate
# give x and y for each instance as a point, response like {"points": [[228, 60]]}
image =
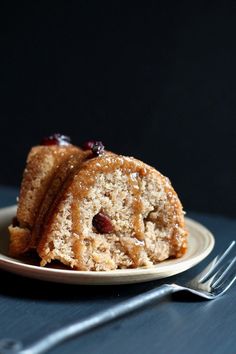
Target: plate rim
{"points": [[34, 271]]}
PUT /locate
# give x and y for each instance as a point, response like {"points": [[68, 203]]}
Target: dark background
{"points": [[156, 80]]}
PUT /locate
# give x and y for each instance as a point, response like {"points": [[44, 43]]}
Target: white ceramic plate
{"points": [[201, 243]]}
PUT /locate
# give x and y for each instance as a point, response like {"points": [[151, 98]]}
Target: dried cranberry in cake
{"points": [[15, 222], [88, 145], [97, 147], [56, 139], [102, 223]]}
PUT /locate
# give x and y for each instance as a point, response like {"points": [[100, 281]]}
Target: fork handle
{"points": [[71, 330]]}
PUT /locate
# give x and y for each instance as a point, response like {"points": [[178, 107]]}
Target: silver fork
{"points": [[211, 283]]}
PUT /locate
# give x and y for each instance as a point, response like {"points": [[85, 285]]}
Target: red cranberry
{"points": [[102, 223], [15, 222], [97, 147], [88, 145], [56, 139]]}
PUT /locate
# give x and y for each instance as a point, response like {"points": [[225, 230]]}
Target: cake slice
{"points": [[43, 162], [115, 212], [97, 211]]}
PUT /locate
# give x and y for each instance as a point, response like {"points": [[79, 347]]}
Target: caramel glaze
{"points": [[63, 172], [61, 182], [82, 177], [177, 220], [38, 154], [86, 178]]}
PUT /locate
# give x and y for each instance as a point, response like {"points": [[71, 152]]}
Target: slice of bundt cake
{"points": [[106, 212], [43, 162]]}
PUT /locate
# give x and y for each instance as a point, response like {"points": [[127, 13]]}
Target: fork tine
{"points": [[225, 272], [207, 273], [223, 287]]}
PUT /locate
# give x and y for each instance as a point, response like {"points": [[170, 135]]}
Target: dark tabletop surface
{"points": [[178, 324]]}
